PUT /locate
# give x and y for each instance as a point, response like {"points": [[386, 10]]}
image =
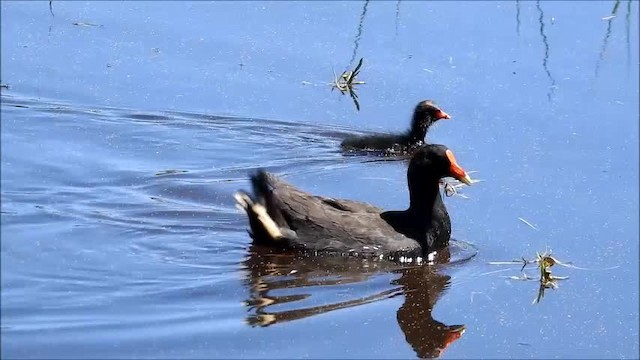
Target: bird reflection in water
{"points": [[293, 277]]}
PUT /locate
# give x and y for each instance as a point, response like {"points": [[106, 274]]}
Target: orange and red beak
{"points": [[442, 115], [457, 171]]}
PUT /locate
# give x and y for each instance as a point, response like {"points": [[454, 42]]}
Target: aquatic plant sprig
{"points": [[346, 81], [544, 262], [451, 187], [548, 260]]}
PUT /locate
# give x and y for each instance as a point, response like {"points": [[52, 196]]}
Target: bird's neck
{"points": [[424, 197], [430, 214], [418, 130]]}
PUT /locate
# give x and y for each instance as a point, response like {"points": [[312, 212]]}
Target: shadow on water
{"points": [[284, 279], [545, 60], [356, 40], [607, 34]]}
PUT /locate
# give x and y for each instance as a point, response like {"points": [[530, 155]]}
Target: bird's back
{"points": [[333, 225], [374, 142]]}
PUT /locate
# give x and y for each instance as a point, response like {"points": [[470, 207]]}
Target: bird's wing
{"points": [[333, 225], [350, 205], [372, 142]]}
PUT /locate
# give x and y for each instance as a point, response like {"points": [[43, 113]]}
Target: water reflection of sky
{"points": [[188, 56], [544, 100]]}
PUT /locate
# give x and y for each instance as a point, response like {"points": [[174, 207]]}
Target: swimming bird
{"points": [[425, 114], [283, 216]]}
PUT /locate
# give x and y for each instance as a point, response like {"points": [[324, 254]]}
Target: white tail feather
{"points": [[244, 202]]}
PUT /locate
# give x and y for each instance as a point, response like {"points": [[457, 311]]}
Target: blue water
{"points": [[127, 126]]}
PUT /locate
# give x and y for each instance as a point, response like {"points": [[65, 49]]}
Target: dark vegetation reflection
{"points": [[398, 15], [628, 29], [518, 17], [545, 59], [51, 23], [356, 40], [607, 34], [346, 82], [295, 276]]}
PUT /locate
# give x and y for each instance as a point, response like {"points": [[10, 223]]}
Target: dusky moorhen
{"points": [[425, 114], [283, 216]]}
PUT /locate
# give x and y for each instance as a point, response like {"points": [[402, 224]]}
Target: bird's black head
{"points": [[424, 115], [433, 162]]}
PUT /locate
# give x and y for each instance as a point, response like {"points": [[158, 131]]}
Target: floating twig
{"points": [[528, 223], [85, 24]]}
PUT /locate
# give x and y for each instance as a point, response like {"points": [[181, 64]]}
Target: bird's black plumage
{"points": [[425, 114], [284, 216]]}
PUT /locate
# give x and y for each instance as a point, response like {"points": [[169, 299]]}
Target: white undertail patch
{"points": [[244, 202]]}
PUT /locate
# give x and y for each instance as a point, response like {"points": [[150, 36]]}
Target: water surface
{"points": [[127, 126]]}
